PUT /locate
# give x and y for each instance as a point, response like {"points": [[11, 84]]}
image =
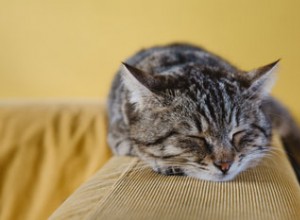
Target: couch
{"points": [[55, 163]]}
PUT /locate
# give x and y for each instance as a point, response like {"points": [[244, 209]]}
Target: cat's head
{"points": [[201, 122]]}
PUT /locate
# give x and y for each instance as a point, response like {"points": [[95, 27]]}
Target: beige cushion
{"points": [[127, 189]]}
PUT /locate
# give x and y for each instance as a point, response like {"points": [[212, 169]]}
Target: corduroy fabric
{"points": [[126, 189]]}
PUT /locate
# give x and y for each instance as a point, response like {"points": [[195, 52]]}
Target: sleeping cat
{"points": [[186, 111]]}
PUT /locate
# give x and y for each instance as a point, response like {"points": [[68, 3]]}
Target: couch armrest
{"points": [[126, 189]]}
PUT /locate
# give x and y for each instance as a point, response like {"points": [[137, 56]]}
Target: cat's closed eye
{"points": [[244, 138], [202, 141], [237, 138]]}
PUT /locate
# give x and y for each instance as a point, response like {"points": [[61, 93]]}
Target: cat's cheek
{"points": [[251, 164], [171, 149]]}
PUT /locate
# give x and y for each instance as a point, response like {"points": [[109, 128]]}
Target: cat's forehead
{"points": [[210, 96], [216, 91], [216, 108], [208, 72]]}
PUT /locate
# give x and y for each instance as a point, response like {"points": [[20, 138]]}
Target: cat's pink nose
{"points": [[223, 166]]}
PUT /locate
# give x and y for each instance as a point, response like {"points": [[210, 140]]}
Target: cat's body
{"points": [[184, 110]]}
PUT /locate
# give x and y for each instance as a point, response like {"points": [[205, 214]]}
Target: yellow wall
{"points": [[71, 48]]}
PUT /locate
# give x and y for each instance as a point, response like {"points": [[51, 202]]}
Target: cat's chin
{"points": [[213, 177], [202, 176]]}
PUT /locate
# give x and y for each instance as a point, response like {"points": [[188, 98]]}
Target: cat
{"points": [[186, 111]]}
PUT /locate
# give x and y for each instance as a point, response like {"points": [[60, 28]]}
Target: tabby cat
{"points": [[186, 111]]}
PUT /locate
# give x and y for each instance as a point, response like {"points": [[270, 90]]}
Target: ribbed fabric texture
{"points": [[270, 191], [85, 201]]}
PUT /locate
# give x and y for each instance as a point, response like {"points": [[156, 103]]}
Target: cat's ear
{"points": [[139, 83], [262, 79]]}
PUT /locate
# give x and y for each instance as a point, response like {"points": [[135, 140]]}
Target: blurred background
{"points": [[72, 48]]}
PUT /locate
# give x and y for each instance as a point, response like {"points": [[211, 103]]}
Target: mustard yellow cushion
{"points": [[47, 149], [127, 189]]}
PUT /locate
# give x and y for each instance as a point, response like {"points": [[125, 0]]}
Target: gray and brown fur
{"points": [[186, 111]]}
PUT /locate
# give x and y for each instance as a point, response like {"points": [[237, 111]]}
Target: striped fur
{"points": [[186, 111]]}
